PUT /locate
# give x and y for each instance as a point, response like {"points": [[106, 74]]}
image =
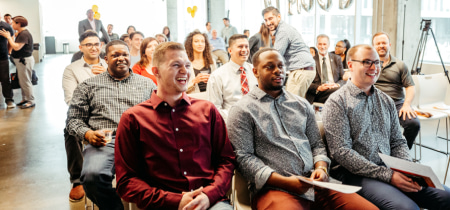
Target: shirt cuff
{"points": [[262, 176], [212, 194], [386, 174], [318, 158], [82, 132]]}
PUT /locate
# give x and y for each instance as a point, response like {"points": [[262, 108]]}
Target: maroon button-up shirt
{"points": [[161, 151]]}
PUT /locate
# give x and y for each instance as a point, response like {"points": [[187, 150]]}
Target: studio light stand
{"points": [[418, 58]]}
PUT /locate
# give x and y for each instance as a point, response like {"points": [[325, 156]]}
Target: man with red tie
{"points": [[234, 79]]}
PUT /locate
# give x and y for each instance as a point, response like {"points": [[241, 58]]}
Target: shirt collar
{"points": [[87, 65], [156, 101], [124, 80], [392, 61], [321, 57], [278, 27], [259, 94], [355, 91], [236, 66]]}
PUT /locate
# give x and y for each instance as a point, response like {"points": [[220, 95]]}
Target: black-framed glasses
{"points": [[90, 45], [369, 63]]}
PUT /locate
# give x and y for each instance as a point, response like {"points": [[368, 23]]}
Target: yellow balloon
{"points": [[189, 9], [195, 8], [97, 16], [94, 8], [192, 13]]}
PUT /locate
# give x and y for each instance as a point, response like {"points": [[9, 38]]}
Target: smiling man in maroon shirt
{"points": [[172, 151]]}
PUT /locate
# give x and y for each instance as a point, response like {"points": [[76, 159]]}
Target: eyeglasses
{"points": [[90, 45], [369, 63]]}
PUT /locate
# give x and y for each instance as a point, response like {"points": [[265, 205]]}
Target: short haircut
{"points": [[274, 11], [89, 10], [207, 23], [136, 32], [131, 27], [162, 35], [160, 51], [226, 19], [236, 37], [323, 36], [7, 15], [256, 60], [111, 25], [246, 30], [20, 20], [124, 36], [114, 42], [351, 53], [88, 33], [379, 34]]}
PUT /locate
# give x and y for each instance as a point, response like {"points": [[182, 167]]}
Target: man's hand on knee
{"points": [[95, 138]]}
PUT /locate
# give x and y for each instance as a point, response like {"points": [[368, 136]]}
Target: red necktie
{"points": [[244, 81]]}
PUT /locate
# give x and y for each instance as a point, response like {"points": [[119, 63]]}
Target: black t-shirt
{"points": [[27, 49], [4, 41], [202, 85]]}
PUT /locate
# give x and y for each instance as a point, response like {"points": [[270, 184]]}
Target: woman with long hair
{"points": [[144, 66], [130, 29], [198, 50], [259, 40], [22, 53], [166, 32], [341, 49]]}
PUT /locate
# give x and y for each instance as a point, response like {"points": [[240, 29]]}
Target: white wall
{"points": [[30, 10]]}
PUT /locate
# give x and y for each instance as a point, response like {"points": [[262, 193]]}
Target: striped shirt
{"points": [[359, 126], [290, 44], [99, 102]]}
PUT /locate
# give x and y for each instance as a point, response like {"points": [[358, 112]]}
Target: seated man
{"points": [[329, 72], [90, 65], [230, 82], [218, 48], [173, 151], [275, 135], [360, 121], [97, 104]]}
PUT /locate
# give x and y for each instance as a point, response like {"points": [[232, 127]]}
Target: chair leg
{"points": [[446, 171]]}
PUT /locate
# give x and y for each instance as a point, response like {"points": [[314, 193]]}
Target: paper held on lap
{"points": [[347, 189], [422, 174]]}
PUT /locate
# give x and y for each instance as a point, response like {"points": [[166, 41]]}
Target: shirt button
{"points": [[185, 173], [176, 129], [173, 110], [181, 150], [165, 104]]}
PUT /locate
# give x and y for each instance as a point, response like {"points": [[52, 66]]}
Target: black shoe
{"points": [[28, 105], [21, 103]]}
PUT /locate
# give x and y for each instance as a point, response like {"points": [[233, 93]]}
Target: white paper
{"points": [[411, 167], [347, 189]]}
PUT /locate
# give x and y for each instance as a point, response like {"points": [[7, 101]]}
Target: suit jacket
{"points": [[337, 70], [85, 25]]}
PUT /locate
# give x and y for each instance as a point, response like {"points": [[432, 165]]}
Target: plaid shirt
{"points": [[99, 102]]}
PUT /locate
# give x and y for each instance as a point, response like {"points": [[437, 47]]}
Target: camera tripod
{"points": [[418, 58]]}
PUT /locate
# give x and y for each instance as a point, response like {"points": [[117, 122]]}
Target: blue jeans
{"points": [[97, 176], [386, 196], [223, 205]]}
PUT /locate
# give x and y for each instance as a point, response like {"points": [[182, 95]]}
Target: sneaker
{"points": [[10, 105], [77, 193]]}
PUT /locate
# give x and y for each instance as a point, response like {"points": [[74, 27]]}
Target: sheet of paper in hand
{"points": [[421, 174], [347, 189]]}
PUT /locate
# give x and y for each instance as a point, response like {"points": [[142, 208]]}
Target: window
{"points": [[438, 11]]}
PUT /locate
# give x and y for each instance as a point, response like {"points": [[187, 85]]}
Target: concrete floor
{"points": [[33, 171]]}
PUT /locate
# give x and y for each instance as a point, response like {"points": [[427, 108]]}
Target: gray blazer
{"points": [[85, 25]]}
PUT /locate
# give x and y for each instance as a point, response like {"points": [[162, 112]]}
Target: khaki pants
{"points": [[299, 81]]}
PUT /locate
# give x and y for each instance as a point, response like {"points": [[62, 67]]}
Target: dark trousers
{"points": [[74, 152], [386, 196], [322, 96], [4, 79], [411, 126]]}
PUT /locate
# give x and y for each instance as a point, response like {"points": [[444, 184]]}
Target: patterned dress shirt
{"points": [[359, 126], [99, 102], [290, 44], [274, 135]]}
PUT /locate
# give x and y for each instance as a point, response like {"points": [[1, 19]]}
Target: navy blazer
{"points": [[85, 25], [337, 70]]}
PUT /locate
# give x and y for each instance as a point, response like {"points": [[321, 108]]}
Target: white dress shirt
{"points": [[92, 22], [224, 85], [329, 70]]}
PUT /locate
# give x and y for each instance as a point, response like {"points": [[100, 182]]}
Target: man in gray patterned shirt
{"points": [[275, 136], [360, 121], [98, 104], [290, 44]]}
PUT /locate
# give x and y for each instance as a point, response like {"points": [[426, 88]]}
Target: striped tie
{"points": [[244, 81]]}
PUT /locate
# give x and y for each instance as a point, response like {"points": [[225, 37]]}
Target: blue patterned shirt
{"points": [[359, 126], [290, 44]]}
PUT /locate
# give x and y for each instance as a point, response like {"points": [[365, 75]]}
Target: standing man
{"points": [[4, 65], [247, 33], [393, 78], [228, 31], [218, 48], [173, 151], [112, 36], [361, 121], [290, 44], [93, 24], [8, 19], [97, 105], [88, 66], [230, 82], [208, 29], [275, 136], [329, 72]]}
